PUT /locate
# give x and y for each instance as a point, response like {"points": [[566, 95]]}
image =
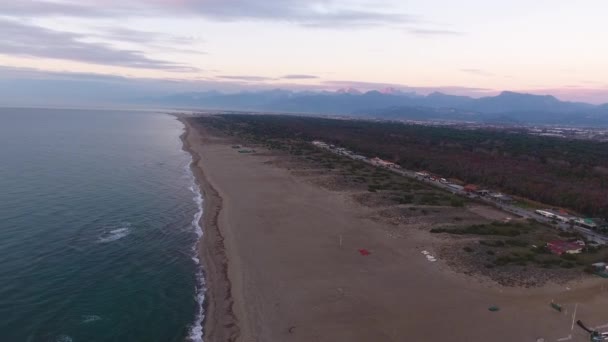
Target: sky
{"points": [[465, 47]]}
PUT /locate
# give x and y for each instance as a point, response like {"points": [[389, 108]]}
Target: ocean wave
{"points": [[64, 338], [115, 234], [196, 329], [90, 318]]}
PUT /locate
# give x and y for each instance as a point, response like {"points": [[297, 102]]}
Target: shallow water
{"points": [[97, 228]]}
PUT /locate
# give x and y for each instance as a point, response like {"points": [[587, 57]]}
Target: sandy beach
{"points": [[285, 260]]}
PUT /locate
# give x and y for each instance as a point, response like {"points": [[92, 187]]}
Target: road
{"points": [[506, 207]]}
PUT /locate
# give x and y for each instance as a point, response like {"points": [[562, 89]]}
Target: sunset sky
{"points": [[472, 47]]}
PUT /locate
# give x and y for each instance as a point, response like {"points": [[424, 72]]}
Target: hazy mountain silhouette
{"points": [[391, 103]]}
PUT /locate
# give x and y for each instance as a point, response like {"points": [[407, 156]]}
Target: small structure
{"points": [[319, 143], [556, 306], [455, 187], [482, 192], [501, 197], [342, 150], [383, 163], [560, 247], [423, 174], [585, 223], [601, 269], [364, 252], [471, 188], [561, 216]]}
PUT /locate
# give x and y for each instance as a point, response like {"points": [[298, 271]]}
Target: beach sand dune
{"points": [[284, 262]]}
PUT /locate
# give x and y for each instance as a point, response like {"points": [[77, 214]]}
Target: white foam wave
{"points": [[63, 338], [90, 318], [115, 234], [196, 329]]}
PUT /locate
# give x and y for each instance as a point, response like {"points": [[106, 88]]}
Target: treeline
{"points": [[566, 173]]}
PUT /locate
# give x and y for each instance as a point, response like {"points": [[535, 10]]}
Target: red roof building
{"points": [[471, 188], [560, 247]]}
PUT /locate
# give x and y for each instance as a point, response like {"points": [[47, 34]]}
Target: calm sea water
{"points": [[96, 228]]}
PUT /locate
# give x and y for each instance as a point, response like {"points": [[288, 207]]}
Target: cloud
{"points": [[311, 13], [155, 40], [433, 32], [38, 8], [299, 77], [247, 78], [252, 78], [477, 72], [137, 36], [20, 39]]}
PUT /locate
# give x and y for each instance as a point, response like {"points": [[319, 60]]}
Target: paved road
{"points": [[509, 208]]}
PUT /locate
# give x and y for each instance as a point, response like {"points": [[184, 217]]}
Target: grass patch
{"points": [[495, 228]]}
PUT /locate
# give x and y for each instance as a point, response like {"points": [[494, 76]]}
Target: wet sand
{"points": [[282, 263]]}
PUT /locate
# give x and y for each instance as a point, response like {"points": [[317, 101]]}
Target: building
{"points": [[560, 216], [471, 188], [501, 197], [320, 144], [455, 187], [560, 247], [343, 151], [482, 192], [423, 174], [585, 223], [601, 269]]}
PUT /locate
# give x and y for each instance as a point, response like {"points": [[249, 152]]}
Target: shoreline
{"points": [[219, 322], [256, 259]]}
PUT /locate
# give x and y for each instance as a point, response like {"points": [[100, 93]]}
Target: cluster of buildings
{"points": [[565, 217], [348, 153], [598, 134], [470, 189], [383, 163]]}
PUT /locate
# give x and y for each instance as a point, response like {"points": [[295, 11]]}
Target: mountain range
{"points": [[507, 107]]}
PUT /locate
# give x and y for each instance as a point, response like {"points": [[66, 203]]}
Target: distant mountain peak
{"points": [[390, 91], [514, 94], [351, 91], [391, 102]]}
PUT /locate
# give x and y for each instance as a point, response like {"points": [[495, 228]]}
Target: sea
{"points": [[98, 225]]}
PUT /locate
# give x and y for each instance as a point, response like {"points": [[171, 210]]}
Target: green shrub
{"points": [[492, 243], [567, 264], [406, 199], [568, 256], [516, 243], [456, 202]]}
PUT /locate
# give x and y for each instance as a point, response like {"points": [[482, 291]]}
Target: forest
{"points": [[570, 174]]}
